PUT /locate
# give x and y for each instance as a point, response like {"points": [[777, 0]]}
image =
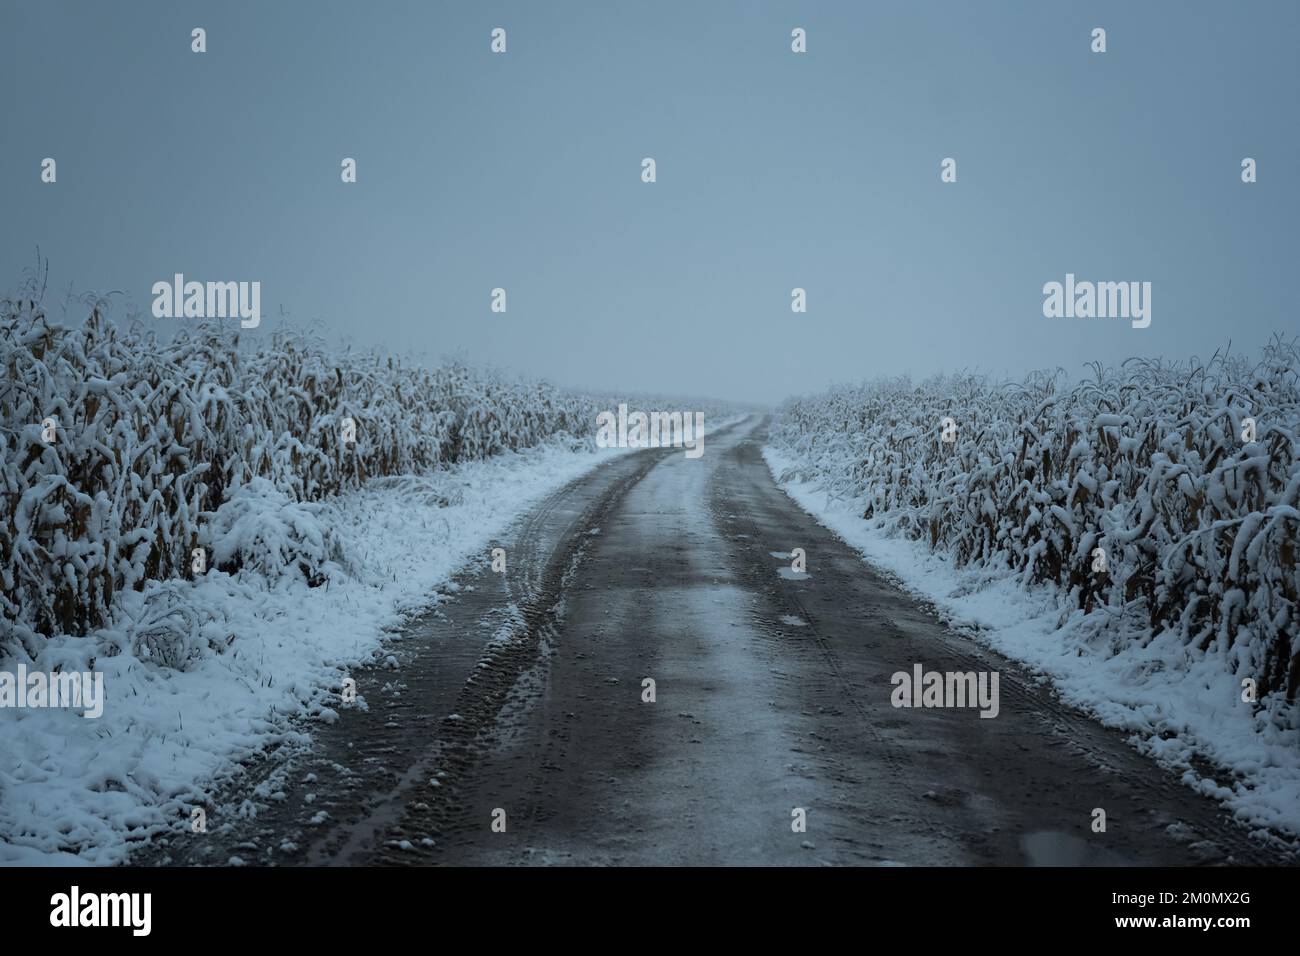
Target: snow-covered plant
{"points": [[121, 453], [172, 630], [1186, 477], [259, 528]]}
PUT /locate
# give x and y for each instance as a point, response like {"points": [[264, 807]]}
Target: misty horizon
{"points": [[821, 172]]}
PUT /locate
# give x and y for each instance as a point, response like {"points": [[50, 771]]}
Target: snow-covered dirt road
{"points": [[510, 725]]}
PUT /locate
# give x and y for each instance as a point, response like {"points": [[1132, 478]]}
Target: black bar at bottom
{"points": [[337, 907]]}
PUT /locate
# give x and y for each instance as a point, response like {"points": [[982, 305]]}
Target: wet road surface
{"points": [[511, 725]]}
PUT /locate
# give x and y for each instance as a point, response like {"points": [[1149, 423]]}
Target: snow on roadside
{"points": [[1175, 704], [75, 790]]}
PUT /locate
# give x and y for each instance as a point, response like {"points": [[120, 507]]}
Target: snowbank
{"points": [[1179, 699], [246, 648]]}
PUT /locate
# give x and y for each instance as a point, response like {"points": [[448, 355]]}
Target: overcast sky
{"points": [[775, 170]]}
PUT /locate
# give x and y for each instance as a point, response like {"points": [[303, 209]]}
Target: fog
{"points": [[774, 171]]}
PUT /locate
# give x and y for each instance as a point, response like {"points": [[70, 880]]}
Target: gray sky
{"points": [[775, 170]]}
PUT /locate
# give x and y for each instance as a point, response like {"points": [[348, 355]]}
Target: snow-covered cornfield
{"points": [[150, 438], [1145, 492]]}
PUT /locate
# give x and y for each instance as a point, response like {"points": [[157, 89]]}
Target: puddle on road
{"points": [[1053, 848], [789, 573]]}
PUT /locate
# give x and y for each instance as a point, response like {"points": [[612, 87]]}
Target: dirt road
{"points": [[522, 704]]}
